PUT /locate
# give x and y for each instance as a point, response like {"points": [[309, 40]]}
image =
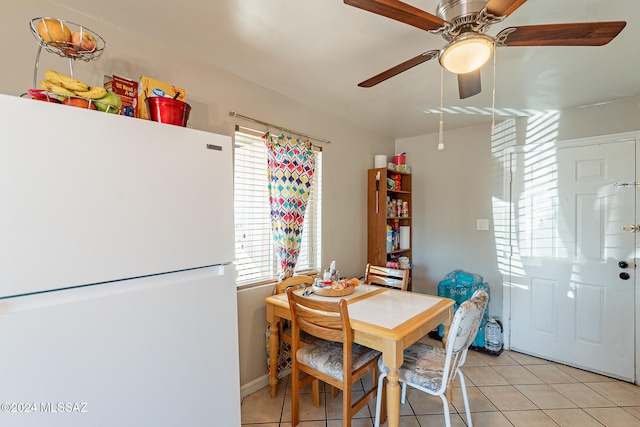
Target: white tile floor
{"points": [[510, 390]]}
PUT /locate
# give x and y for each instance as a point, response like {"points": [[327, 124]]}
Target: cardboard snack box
{"points": [[127, 90], [148, 87]]}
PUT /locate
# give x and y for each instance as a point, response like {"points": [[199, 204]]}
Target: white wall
{"points": [[213, 93], [455, 187], [451, 189]]}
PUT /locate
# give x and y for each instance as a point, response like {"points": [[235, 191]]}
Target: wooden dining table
{"points": [[387, 320]]}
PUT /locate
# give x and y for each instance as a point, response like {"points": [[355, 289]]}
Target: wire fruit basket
{"points": [[73, 42], [55, 36], [75, 101], [65, 39]]}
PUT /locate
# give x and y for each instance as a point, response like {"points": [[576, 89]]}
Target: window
{"points": [[255, 256]]}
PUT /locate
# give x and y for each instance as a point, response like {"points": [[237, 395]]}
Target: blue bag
{"points": [[460, 286]]}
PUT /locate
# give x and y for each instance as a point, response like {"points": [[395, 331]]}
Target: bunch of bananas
{"points": [[64, 85]]}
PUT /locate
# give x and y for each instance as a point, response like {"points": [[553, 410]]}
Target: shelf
{"points": [[392, 171], [397, 251], [378, 219]]}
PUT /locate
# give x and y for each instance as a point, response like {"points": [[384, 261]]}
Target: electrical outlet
{"points": [[482, 224]]}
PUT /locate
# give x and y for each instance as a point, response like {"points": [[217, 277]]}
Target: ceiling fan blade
{"points": [[503, 7], [400, 11], [469, 84], [574, 34], [379, 78]]}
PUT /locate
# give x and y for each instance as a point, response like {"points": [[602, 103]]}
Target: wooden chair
{"points": [[389, 277], [294, 282], [284, 328], [332, 358], [431, 369]]}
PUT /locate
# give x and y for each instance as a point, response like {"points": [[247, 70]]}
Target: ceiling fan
{"points": [[463, 23]]}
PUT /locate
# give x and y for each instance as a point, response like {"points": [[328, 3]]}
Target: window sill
{"points": [[273, 281]]}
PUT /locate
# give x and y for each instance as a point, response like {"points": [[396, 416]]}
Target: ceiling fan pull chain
{"points": [[493, 101], [441, 133]]}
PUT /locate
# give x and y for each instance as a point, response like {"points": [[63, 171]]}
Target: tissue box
{"points": [[148, 87], [127, 90]]}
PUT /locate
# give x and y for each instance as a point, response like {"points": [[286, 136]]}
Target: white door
{"points": [[572, 298]]}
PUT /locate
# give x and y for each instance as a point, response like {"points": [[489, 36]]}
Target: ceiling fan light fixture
{"points": [[467, 53]]}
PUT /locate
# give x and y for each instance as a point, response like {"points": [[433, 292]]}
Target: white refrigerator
{"points": [[117, 288]]}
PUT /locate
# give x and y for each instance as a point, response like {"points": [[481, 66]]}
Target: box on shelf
{"points": [[127, 90], [148, 87]]}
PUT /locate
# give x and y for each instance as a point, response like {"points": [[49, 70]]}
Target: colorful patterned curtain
{"points": [[290, 166]]}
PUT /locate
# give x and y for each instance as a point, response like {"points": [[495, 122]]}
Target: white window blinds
{"points": [[255, 257]]}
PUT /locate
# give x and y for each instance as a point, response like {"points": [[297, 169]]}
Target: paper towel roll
{"points": [[405, 237], [403, 262], [380, 161]]}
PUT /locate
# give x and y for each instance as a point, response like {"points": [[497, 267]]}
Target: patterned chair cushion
{"points": [[326, 357], [422, 366]]}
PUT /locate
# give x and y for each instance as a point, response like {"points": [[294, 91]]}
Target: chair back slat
{"points": [[328, 334], [389, 277], [323, 319], [294, 282]]}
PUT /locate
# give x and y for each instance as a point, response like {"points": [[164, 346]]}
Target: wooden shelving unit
{"points": [[379, 218]]}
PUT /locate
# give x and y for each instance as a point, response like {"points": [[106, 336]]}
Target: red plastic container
{"points": [[399, 159], [168, 110]]}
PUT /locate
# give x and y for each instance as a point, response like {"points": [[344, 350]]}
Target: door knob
{"points": [[623, 264], [631, 228], [624, 276]]}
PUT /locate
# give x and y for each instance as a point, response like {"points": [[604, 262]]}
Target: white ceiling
{"points": [[316, 51]]}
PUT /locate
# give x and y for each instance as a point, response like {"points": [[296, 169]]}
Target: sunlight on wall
{"points": [[537, 224], [537, 175], [503, 138]]}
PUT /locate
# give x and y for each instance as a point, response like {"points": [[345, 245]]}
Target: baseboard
{"points": [[253, 386], [259, 383]]}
